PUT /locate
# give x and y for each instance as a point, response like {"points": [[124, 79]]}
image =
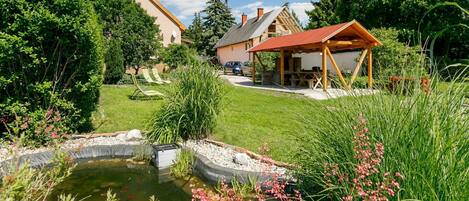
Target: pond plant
{"points": [[28, 184], [191, 108], [184, 164]]}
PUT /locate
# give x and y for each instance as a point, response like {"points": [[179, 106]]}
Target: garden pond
{"points": [[129, 181]]}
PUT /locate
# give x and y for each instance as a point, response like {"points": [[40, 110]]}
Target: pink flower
{"points": [[347, 198]]}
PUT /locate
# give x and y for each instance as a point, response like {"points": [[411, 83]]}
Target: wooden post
{"points": [[370, 68], [336, 68], [282, 67], [324, 68], [254, 68], [358, 66]]}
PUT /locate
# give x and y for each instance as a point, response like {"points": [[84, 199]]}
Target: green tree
{"points": [[114, 63], [137, 32], [217, 20], [394, 57], [178, 55], [50, 59], [323, 14], [195, 32]]}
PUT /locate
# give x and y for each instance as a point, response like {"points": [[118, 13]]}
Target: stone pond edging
{"points": [[203, 166]]}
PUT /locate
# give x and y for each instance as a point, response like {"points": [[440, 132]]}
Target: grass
{"points": [[117, 112], [425, 138], [249, 117]]}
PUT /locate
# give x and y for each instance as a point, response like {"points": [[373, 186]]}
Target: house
{"points": [[234, 45], [171, 28]]}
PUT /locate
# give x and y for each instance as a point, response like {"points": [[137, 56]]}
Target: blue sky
{"points": [[185, 9]]}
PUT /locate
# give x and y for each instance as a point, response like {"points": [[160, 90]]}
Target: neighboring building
{"points": [[171, 28], [249, 33]]}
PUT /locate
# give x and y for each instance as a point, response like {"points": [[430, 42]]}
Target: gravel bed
{"points": [[224, 156]]}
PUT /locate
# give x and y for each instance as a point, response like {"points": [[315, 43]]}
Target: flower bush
{"points": [[367, 182]]}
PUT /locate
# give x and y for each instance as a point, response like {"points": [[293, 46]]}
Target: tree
{"points": [[195, 32], [217, 21], [114, 63], [50, 60], [137, 32], [418, 21], [178, 55], [323, 14]]}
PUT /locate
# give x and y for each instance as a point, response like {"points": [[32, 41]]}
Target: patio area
{"points": [[316, 94]]}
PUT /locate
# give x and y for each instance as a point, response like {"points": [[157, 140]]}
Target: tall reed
{"points": [[191, 108], [426, 139]]}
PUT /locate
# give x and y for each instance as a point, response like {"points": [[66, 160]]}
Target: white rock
{"points": [[122, 136], [241, 159], [134, 135]]}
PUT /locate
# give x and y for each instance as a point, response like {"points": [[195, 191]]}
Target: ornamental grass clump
{"points": [[422, 136], [190, 108]]}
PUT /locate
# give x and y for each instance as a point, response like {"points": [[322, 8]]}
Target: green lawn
{"points": [[249, 118], [117, 112]]}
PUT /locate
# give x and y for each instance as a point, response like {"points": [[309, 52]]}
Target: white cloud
{"points": [[185, 8], [300, 8]]}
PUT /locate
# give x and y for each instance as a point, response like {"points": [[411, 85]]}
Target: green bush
{"points": [[191, 108], [425, 138], [394, 58], [114, 63], [50, 58], [178, 55]]}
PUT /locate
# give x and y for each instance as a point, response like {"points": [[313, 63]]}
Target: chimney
{"points": [[260, 13], [244, 19]]}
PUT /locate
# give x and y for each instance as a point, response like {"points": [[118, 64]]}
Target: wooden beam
{"points": [[358, 66], [324, 68], [370, 68], [345, 42], [337, 70], [282, 67], [254, 68]]}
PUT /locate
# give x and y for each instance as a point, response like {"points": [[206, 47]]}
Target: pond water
{"points": [[131, 182]]}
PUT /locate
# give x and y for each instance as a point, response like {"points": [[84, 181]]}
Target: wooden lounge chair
{"points": [[146, 93], [146, 75], [157, 77]]}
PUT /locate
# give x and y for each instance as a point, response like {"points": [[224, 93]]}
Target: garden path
{"points": [[317, 94]]}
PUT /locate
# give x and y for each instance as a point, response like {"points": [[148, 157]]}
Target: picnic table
{"points": [[313, 79]]}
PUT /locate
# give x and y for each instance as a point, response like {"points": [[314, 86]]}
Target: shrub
{"points": [[425, 138], [37, 128], [184, 164], [114, 63], [178, 55], [26, 183], [51, 58], [394, 58], [191, 108]]}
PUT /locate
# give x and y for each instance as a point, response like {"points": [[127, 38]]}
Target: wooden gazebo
{"points": [[341, 37]]}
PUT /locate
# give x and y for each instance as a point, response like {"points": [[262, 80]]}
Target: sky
{"points": [[184, 9]]}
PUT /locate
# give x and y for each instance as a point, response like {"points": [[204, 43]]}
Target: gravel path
{"points": [[224, 156]]}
